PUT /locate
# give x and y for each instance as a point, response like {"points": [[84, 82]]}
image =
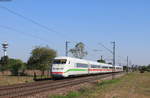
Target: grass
{"points": [[106, 82], [69, 95], [133, 85], [9, 80]]}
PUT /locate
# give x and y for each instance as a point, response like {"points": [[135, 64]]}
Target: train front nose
{"points": [[58, 67], [57, 72]]}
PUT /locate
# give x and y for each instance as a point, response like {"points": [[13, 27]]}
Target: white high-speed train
{"points": [[68, 66]]}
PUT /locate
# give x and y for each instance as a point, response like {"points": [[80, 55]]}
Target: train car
{"points": [[68, 66], [96, 67], [118, 68]]}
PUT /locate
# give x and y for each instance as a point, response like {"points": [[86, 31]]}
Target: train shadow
{"points": [[42, 79]]}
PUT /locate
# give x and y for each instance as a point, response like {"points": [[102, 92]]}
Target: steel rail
{"points": [[31, 88]]}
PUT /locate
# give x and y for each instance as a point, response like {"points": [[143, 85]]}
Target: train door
{"points": [[89, 66]]}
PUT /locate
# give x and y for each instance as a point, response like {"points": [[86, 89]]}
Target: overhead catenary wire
{"points": [[33, 21], [105, 47], [36, 23], [23, 33]]}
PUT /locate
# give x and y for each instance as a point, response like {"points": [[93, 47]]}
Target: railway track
{"points": [[28, 89]]}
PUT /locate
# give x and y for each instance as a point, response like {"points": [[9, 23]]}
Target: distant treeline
{"points": [[144, 68], [40, 59]]}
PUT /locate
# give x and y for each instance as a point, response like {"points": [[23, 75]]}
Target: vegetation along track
{"points": [[28, 89]]}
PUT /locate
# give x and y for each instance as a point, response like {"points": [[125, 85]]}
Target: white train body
{"points": [[68, 66]]}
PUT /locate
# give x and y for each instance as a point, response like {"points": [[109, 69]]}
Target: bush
{"points": [[16, 66]]}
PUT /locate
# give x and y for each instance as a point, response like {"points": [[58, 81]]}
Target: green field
{"points": [[133, 85]]}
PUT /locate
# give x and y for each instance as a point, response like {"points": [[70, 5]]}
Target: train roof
{"points": [[83, 60]]}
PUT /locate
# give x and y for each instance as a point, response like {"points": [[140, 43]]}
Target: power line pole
{"points": [[127, 64], [114, 59], [67, 42], [113, 52], [101, 57]]}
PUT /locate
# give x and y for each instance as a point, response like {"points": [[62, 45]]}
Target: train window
{"points": [[82, 65], [104, 67], [59, 61], [95, 66], [99, 66], [118, 68], [110, 67]]}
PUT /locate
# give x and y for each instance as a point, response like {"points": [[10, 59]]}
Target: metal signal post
{"points": [[67, 47]]}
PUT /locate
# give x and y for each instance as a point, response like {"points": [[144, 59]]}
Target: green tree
{"points": [[101, 61], [148, 68], [143, 69], [16, 66], [41, 58], [79, 50], [110, 63], [4, 63]]}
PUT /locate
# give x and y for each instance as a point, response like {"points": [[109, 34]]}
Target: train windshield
{"points": [[59, 61]]}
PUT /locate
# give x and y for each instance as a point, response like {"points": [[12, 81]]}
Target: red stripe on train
{"points": [[100, 69], [57, 72]]}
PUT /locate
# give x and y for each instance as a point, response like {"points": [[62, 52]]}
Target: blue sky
{"points": [[90, 21]]}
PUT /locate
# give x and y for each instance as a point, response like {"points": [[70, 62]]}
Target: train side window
{"points": [[110, 67], [117, 67], [104, 67], [82, 65], [95, 66]]}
